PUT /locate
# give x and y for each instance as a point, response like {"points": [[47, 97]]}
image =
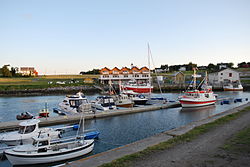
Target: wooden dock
{"points": [[7, 126]]}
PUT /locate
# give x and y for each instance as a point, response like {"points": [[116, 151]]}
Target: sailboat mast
{"points": [[150, 91]]}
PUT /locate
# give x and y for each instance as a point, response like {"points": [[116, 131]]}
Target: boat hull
{"points": [[17, 159], [138, 89], [233, 89], [129, 105], [188, 103], [141, 102]]}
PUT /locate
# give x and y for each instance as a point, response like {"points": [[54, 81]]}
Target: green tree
{"points": [[14, 71], [230, 65], [5, 71]]}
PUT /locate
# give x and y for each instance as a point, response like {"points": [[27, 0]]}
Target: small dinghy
{"points": [[24, 116]]}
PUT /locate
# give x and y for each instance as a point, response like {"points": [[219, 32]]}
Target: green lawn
{"points": [[40, 82]]}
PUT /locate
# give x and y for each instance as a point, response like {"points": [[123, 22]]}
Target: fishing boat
{"points": [[75, 104], [198, 98], [44, 150], [27, 130], [137, 87], [104, 103]]}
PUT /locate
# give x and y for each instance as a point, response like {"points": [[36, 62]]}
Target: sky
{"points": [[69, 36]]}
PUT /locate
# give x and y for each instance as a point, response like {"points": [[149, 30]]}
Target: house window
{"points": [[230, 74]]}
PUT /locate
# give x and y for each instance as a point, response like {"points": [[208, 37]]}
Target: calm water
{"points": [[121, 130]]}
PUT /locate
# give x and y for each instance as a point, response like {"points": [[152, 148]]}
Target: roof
{"points": [[30, 122]]}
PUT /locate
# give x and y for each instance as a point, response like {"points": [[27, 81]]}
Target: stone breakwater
{"points": [[45, 91]]}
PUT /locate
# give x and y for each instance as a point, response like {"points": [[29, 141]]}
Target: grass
{"points": [[239, 142], [126, 160], [40, 82]]}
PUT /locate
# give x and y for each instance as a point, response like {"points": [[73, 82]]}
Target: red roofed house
{"points": [[124, 74], [28, 71]]}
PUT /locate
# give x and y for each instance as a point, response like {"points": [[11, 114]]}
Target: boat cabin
{"points": [[28, 126], [76, 100], [105, 101], [42, 143]]}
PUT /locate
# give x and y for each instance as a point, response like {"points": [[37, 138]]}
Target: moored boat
{"points": [[27, 130], [233, 87], [44, 151], [24, 116], [104, 103], [137, 87], [75, 104], [198, 98]]}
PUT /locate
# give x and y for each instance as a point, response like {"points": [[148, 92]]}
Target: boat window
{"points": [[34, 143], [21, 129], [74, 103], [43, 143], [30, 129], [207, 95]]}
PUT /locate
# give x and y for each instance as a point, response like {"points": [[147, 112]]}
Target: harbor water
{"points": [[120, 130]]}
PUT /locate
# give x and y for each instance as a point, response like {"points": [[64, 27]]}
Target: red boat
{"points": [[138, 87], [44, 112]]}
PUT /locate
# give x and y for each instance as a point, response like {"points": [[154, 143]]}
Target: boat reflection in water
{"points": [[198, 113]]}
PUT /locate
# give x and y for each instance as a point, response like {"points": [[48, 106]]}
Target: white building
{"points": [[124, 74], [182, 69], [28, 71], [224, 76]]}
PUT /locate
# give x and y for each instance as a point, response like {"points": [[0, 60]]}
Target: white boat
{"points": [[44, 151], [140, 99], [233, 87], [75, 104], [198, 98], [27, 130], [103, 103], [123, 100]]}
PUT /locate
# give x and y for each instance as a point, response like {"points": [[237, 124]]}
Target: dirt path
{"points": [[204, 151]]}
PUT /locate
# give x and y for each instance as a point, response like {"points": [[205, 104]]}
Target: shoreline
{"points": [[90, 89]]}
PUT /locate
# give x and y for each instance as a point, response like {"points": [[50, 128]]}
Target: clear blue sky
{"points": [[68, 36]]}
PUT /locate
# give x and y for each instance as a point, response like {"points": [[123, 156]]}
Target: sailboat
{"points": [[43, 150], [198, 98], [154, 100]]}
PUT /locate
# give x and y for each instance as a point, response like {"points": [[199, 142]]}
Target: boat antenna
{"points": [[194, 84]]}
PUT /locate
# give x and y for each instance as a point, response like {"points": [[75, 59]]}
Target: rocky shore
{"points": [[48, 91]]}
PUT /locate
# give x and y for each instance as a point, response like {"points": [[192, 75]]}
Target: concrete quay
{"points": [[50, 121], [108, 156]]}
